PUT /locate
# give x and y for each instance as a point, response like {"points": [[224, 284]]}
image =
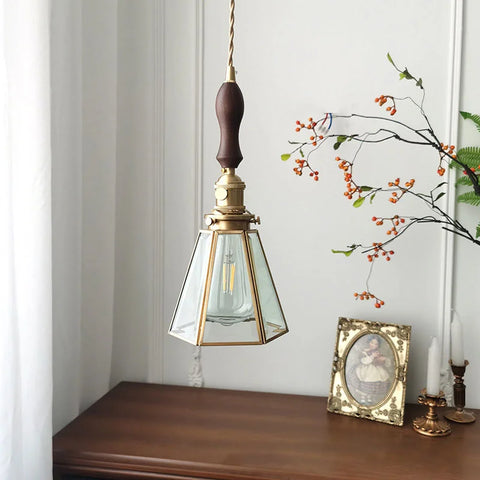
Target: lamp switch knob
{"points": [[221, 193]]}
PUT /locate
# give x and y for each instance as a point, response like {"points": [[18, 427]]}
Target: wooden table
{"points": [[146, 431]]}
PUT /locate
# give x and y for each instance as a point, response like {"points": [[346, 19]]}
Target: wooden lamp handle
{"points": [[229, 107]]}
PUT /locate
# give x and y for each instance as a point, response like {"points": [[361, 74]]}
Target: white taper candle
{"points": [[433, 370]]}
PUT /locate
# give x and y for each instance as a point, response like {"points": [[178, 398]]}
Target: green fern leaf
{"points": [[478, 231], [469, 156], [463, 181], [474, 118], [470, 197]]}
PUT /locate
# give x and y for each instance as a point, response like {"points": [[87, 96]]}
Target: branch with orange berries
{"points": [[391, 128]]}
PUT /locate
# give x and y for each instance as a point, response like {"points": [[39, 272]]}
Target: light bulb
{"points": [[230, 298], [228, 273]]}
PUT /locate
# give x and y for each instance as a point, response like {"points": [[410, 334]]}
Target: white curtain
{"points": [[102, 129], [25, 242]]}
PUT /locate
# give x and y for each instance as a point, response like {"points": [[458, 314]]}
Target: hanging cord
{"points": [[230, 67]]}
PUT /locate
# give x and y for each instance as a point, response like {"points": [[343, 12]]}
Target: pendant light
{"points": [[228, 296]]}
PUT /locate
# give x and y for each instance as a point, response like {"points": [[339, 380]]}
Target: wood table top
{"points": [[145, 431]]}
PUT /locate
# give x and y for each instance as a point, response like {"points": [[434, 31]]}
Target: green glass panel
{"points": [[272, 316], [186, 319]]}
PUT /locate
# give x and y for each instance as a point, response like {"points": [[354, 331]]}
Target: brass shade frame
{"points": [[252, 280]]}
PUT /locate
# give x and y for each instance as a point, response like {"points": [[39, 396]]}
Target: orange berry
{"points": [[315, 178], [297, 129], [314, 144]]}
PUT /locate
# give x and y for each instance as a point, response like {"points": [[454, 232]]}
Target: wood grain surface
{"points": [[147, 431]]}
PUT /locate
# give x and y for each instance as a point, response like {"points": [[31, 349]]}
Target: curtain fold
{"points": [[25, 242]]}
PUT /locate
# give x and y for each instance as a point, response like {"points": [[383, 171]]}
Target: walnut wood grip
{"points": [[229, 107]]}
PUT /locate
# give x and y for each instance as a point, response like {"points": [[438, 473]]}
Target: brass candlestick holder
{"points": [[430, 425], [458, 414]]}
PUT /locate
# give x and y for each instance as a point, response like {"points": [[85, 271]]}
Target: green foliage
{"points": [[469, 156], [340, 140], [470, 197], [473, 117], [405, 74], [285, 156], [347, 253], [463, 181], [358, 202], [478, 231]]}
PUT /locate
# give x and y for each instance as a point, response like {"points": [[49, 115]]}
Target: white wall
{"points": [[295, 60], [140, 136]]}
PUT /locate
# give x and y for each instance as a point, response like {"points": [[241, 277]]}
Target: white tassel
{"points": [[196, 375]]}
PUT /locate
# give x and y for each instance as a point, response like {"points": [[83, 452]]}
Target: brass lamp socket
{"points": [[229, 212]]}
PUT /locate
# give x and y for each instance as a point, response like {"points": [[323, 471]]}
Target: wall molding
{"points": [[448, 240], [199, 105], [156, 361], [196, 378]]}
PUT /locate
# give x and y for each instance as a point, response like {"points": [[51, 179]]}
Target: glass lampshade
{"points": [[228, 296]]}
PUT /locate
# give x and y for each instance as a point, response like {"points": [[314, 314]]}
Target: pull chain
{"points": [[230, 67]]}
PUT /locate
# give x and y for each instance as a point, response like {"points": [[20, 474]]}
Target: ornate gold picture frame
{"points": [[370, 370]]}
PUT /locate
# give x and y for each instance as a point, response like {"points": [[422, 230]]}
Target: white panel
{"points": [[295, 60], [180, 170], [133, 325], [467, 259], [66, 73], [99, 45]]}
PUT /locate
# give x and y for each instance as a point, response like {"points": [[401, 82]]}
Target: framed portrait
{"points": [[370, 370]]}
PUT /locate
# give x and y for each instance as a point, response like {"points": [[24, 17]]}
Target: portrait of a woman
{"points": [[369, 370]]}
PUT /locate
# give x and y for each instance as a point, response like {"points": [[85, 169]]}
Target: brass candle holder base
{"points": [[458, 414], [430, 425]]}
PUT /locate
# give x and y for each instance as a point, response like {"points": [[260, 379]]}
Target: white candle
{"points": [[433, 371], [456, 332]]}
